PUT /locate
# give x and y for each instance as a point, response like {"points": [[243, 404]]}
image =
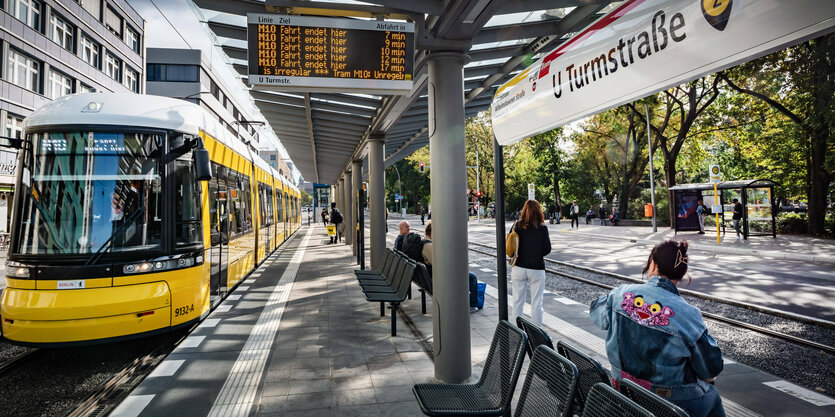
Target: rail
{"points": [[707, 297]]}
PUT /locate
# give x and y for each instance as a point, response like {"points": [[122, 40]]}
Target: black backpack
{"points": [[413, 246], [336, 216]]}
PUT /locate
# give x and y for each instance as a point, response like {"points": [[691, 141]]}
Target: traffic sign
{"points": [[530, 192], [714, 173]]}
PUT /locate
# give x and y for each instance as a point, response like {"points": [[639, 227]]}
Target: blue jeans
{"points": [[473, 290], [708, 405]]}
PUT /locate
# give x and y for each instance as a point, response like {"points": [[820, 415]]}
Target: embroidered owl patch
{"points": [[645, 313]]}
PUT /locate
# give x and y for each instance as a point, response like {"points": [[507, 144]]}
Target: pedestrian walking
{"points": [[557, 212], [658, 340], [602, 213], [737, 217], [700, 212], [336, 220], [574, 213], [324, 216], [589, 215], [422, 215], [529, 271]]}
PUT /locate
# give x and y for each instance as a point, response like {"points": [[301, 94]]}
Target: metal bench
{"points": [[604, 401], [550, 386], [536, 335], [491, 395], [658, 406], [423, 279], [591, 373], [403, 281]]}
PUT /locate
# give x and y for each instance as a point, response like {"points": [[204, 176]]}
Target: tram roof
{"points": [[325, 132], [140, 110]]}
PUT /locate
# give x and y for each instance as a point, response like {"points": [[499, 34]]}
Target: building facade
{"points": [[51, 48]]}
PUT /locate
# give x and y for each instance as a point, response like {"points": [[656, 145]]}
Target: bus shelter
{"points": [[756, 196]]}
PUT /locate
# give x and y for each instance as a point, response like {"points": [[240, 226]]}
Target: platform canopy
{"points": [[724, 185], [325, 132]]}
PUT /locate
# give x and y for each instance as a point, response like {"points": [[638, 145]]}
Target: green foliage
{"points": [[792, 223]]}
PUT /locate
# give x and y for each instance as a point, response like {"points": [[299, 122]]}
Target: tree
{"points": [[682, 106], [550, 158], [807, 98], [479, 139]]}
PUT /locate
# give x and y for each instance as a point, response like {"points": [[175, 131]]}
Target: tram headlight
{"points": [[17, 272], [157, 265]]}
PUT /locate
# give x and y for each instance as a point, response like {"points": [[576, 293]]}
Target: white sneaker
{"points": [[473, 310]]}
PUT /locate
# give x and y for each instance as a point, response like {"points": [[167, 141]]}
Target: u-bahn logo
{"points": [[717, 12]]}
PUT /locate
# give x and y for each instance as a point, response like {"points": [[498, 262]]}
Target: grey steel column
{"points": [[451, 317], [377, 200], [356, 183], [346, 213], [501, 260]]}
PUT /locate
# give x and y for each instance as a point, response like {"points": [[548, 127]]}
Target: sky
{"points": [[191, 33]]}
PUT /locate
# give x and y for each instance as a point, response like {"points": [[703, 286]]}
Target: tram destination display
{"points": [[303, 53]]}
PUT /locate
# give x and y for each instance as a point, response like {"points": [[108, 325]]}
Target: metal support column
{"points": [[377, 200], [501, 258], [356, 187], [451, 318], [346, 213]]}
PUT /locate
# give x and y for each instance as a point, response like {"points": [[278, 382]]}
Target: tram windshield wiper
{"points": [[120, 231]]}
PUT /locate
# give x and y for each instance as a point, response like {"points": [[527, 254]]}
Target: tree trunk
{"points": [[670, 174]]}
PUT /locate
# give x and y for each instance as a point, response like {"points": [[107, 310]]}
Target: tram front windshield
{"points": [[90, 192]]}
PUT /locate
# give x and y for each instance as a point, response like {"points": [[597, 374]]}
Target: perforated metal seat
{"points": [[591, 372], [536, 335], [604, 401], [491, 395], [658, 406], [550, 386]]}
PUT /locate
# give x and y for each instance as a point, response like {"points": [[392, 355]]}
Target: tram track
{"points": [[16, 361], [705, 297]]}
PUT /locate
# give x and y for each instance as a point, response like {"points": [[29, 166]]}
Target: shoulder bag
{"points": [[511, 243]]}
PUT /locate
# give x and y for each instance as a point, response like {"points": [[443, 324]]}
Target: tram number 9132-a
{"points": [[182, 311]]}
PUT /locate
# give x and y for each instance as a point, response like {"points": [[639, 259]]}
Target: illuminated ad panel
{"points": [[303, 53]]}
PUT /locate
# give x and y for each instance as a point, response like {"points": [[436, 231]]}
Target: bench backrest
{"points": [[591, 372], [536, 335], [549, 387], [604, 401], [503, 364], [422, 278], [658, 406]]}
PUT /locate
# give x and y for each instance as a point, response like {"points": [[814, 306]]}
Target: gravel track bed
{"points": [[810, 368], [8, 351], [57, 381]]}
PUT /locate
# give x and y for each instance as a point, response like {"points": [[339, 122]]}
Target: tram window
{"points": [[262, 209], [85, 192], [280, 205], [188, 228], [246, 203]]}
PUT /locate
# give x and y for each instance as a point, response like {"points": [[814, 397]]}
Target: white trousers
{"points": [[523, 279]]}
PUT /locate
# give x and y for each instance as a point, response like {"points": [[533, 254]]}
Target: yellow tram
{"points": [[133, 215]]}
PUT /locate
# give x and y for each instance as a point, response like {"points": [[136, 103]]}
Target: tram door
{"points": [[218, 205]]}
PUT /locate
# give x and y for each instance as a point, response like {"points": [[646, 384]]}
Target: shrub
{"points": [[792, 223]]}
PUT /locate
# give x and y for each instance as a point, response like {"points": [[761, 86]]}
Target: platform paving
{"points": [[331, 353]]}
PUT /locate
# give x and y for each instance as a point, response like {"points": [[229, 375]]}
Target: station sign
{"points": [[531, 193], [305, 53], [645, 46], [714, 173]]}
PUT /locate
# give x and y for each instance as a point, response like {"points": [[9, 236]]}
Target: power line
{"points": [[172, 25]]}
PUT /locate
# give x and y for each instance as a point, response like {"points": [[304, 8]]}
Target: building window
{"points": [[22, 70], [58, 85], [173, 73], [90, 51], [61, 32], [14, 126], [111, 67], [131, 79], [92, 6], [83, 88], [27, 11], [132, 39], [112, 21], [272, 157]]}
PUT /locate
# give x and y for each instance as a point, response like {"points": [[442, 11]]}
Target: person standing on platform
{"points": [[404, 227], [336, 220], [324, 216], [574, 213], [529, 270], [700, 211], [658, 340], [601, 212], [737, 217]]}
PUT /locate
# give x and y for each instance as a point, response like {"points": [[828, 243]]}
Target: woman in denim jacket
{"points": [[658, 340]]}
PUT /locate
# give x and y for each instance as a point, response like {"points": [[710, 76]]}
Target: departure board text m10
{"points": [[302, 53]]}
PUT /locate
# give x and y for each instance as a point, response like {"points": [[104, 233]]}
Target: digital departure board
{"points": [[304, 53]]}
